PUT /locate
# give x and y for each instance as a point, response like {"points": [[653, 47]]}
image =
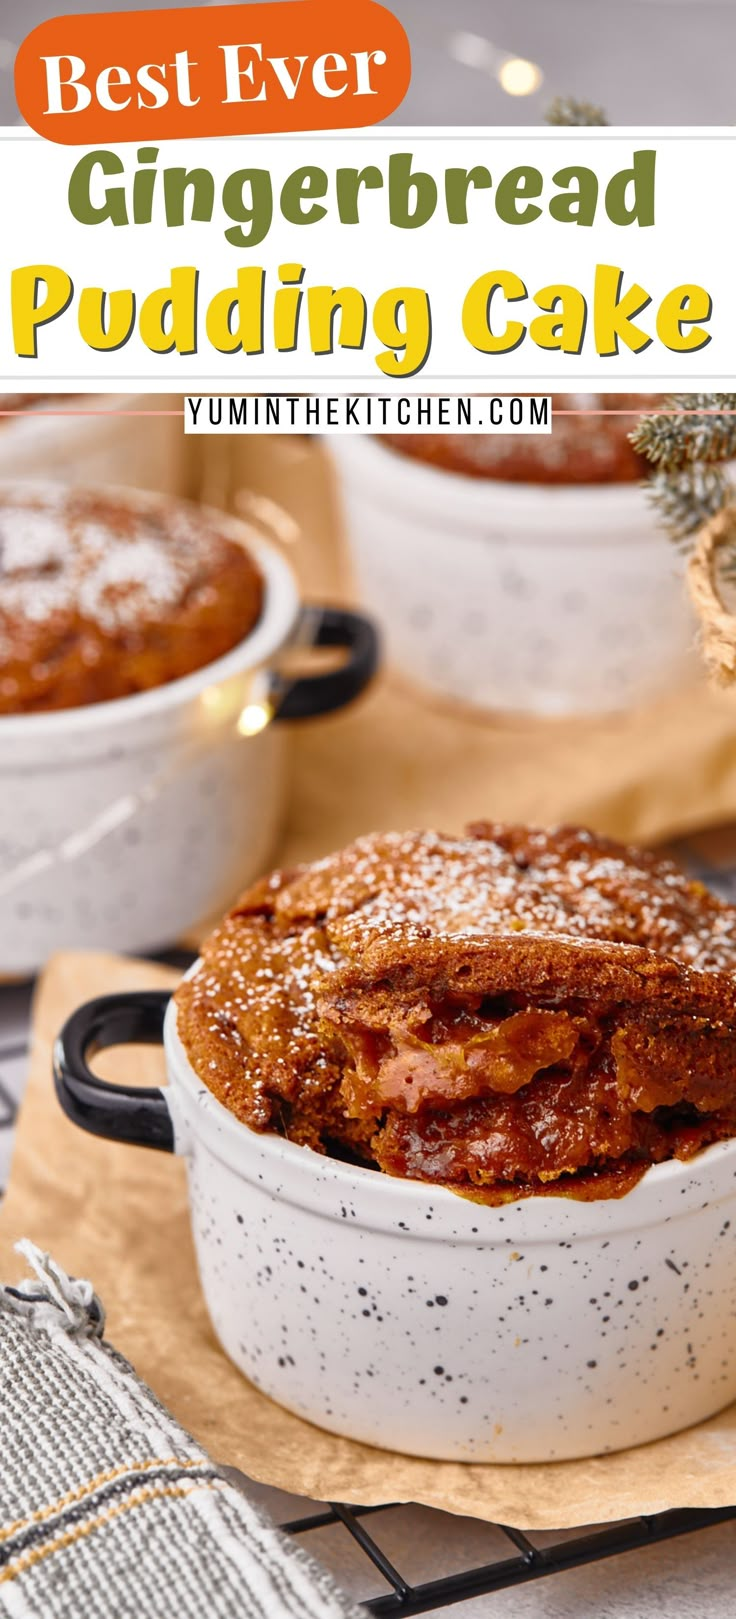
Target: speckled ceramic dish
{"points": [[125, 824], [411, 1318], [523, 598]]}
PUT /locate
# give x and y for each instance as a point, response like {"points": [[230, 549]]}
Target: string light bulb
{"points": [[515, 74], [254, 718], [518, 77]]}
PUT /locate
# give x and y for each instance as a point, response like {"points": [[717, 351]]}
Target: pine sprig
{"points": [[689, 450], [566, 110], [687, 498], [674, 441]]}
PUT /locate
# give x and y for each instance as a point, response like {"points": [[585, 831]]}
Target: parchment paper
{"points": [[119, 1215], [398, 760]]}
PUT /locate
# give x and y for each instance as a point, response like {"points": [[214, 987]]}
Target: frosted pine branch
{"points": [[687, 498], [674, 441], [689, 451], [565, 110]]}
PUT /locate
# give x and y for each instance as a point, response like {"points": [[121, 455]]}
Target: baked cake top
{"points": [[419, 975], [588, 444], [101, 596]]}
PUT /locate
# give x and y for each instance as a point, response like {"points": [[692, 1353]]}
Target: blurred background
{"points": [[503, 61]]}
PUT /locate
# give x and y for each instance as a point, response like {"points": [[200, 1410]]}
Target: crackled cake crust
{"points": [[504, 1013], [100, 598], [581, 449]]}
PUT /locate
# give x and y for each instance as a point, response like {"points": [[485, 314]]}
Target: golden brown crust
{"points": [[101, 598], [393, 969], [504, 1011], [581, 449]]}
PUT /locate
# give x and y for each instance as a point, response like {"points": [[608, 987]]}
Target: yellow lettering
{"points": [[613, 314], [30, 309], [562, 327], [402, 321], [168, 319], [323, 305], [478, 311], [106, 319], [230, 336], [287, 306], [683, 306]]}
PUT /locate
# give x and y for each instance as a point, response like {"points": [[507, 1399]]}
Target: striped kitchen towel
{"points": [[107, 1507]]}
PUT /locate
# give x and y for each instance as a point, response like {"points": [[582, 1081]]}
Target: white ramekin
{"points": [[134, 440], [516, 597], [126, 824], [410, 1318]]}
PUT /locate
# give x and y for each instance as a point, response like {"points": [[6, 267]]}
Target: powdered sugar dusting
{"points": [[570, 884], [30, 541], [264, 969], [77, 552]]}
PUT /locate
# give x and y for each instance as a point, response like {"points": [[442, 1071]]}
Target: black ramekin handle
{"points": [[302, 698], [119, 1112]]}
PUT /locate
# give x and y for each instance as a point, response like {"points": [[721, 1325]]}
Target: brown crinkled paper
{"points": [[717, 617], [400, 760], [119, 1215]]}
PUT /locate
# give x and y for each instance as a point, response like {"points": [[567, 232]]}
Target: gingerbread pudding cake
{"points": [[103, 596], [581, 448], [508, 1013]]}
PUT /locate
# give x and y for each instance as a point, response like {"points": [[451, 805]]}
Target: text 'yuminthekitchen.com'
{"points": [[366, 413]]}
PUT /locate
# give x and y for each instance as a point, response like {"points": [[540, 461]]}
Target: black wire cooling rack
{"points": [[525, 1560]]}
